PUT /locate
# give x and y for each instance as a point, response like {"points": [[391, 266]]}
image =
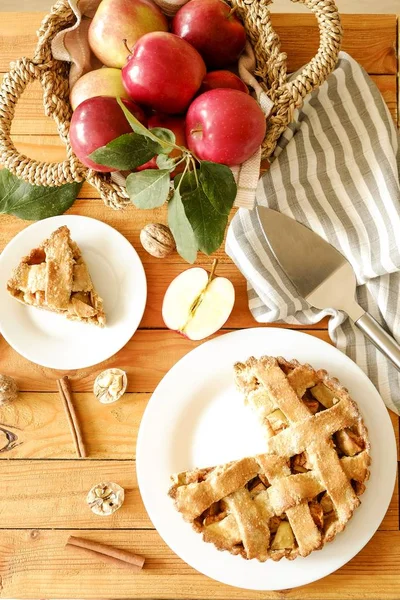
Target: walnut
{"points": [[8, 389], [157, 240], [110, 385], [105, 498]]}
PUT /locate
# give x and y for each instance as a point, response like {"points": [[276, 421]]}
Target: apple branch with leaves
{"points": [[199, 199]]}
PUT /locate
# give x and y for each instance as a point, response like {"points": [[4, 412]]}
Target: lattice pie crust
{"points": [[55, 277], [303, 490]]}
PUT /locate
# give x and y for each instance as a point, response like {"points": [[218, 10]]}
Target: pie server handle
{"points": [[380, 338]]}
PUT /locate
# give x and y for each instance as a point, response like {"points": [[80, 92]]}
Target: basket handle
{"points": [[320, 66], [271, 67], [52, 76]]}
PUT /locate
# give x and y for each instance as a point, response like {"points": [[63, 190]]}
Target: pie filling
{"points": [[284, 502]]}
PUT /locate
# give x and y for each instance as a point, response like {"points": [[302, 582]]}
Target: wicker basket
{"points": [[53, 75]]}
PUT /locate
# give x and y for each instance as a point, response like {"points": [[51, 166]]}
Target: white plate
{"points": [[51, 340], [196, 418]]}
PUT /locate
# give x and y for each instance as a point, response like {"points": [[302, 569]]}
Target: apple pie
{"points": [[55, 277], [302, 491]]}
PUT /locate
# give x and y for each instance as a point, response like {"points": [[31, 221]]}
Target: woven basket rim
{"points": [[271, 71]]}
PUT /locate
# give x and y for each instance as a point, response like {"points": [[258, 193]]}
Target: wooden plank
{"points": [[145, 358], [129, 222], [50, 494], [30, 118], [371, 40], [18, 36], [158, 278], [36, 564], [37, 420], [39, 428]]}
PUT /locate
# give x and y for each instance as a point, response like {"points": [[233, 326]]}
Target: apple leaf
{"points": [[218, 185], [126, 152], [166, 135], [136, 125], [34, 202], [181, 229], [164, 162], [149, 188], [207, 223], [157, 134]]}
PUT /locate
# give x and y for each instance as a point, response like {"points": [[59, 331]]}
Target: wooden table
{"points": [[43, 485]]}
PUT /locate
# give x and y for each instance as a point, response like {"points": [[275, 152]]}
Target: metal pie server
{"points": [[321, 274]]}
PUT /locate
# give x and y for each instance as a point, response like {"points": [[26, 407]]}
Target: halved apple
{"points": [[196, 304]]}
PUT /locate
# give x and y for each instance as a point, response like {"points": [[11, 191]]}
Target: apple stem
{"points": [[212, 272], [125, 41], [194, 170]]}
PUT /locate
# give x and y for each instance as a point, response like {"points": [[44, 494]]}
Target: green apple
{"points": [[119, 20], [100, 82]]}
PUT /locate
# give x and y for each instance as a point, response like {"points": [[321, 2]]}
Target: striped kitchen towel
{"points": [[336, 170]]}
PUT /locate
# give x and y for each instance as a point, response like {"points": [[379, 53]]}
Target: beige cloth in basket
{"points": [[72, 45]]}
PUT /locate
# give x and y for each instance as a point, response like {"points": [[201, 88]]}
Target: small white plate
{"points": [[51, 340], [196, 418]]}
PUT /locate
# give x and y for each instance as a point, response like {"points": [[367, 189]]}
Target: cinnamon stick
{"points": [[110, 554], [64, 389]]}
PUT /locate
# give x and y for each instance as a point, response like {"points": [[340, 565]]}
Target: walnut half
{"points": [[110, 385], [105, 498]]}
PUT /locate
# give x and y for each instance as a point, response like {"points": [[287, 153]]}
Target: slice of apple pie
{"points": [[55, 277], [303, 490]]}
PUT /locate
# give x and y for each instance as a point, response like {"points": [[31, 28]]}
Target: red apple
{"points": [[225, 126], [100, 82], [119, 20], [175, 124], [212, 28], [96, 122], [163, 72], [222, 79]]}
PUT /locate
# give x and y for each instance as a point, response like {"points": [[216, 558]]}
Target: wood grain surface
{"points": [[38, 563], [35, 426], [370, 39], [44, 485]]}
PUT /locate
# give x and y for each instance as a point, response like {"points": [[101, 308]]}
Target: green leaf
{"points": [[164, 162], [208, 224], [162, 133], [140, 129], [136, 125], [34, 202], [218, 185], [187, 183], [181, 229], [126, 152], [148, 189], [166, 135]]}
